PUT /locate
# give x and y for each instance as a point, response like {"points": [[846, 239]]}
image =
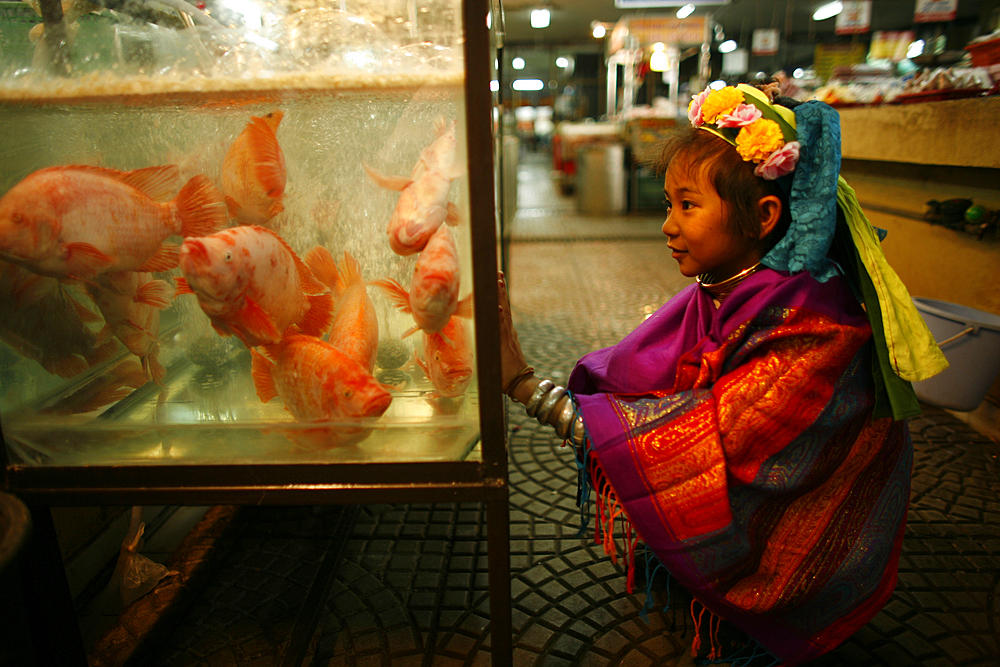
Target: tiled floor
{"points": [[405, 585]]}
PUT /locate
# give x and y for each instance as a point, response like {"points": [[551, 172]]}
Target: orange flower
{"points": [[757, 141], [719, 103]]}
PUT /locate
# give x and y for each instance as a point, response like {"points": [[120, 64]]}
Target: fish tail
{"points": [[464, 307], [395, 292], [320, 316], [320, 262], [155, 293], [262, 372], [201, 208], [398, 183]]}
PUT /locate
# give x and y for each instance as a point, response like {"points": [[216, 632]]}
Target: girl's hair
{"points": [[732, 177]]}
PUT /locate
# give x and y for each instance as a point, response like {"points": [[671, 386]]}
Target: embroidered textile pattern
{"points": [[766, 489]]}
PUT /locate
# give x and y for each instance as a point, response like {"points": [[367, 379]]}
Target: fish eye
{"points": [[228, 256], [348, 393]]}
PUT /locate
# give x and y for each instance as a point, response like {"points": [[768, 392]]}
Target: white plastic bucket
{"points": [[970, 340]]}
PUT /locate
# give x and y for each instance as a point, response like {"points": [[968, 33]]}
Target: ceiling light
{"points": [[517, 63], [685, 11], [600, 31], [540, 18], [727, 46], [658, 61], [828, 10], [562, 62], [528, 84]]}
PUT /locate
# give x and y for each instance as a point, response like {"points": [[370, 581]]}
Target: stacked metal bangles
{"points": [[569, 425]]}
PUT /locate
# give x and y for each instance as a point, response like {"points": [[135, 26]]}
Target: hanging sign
{"points": [[932, 11], [765, 42], [855, 18], [667, 29], [890, 45]]}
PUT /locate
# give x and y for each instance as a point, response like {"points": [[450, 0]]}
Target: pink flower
{"points": [[741, 116], [694, 109], [779, 163]]}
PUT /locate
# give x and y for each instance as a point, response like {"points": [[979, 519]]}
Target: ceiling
{"points": [[571, 19]]}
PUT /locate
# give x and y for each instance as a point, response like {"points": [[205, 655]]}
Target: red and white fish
{"points": [[252, 285], [355, 323], [254, 173], [44, 321], [78, 221], [433, 295], [131, 302], [447, 361], [423, 200], [316, 381]]}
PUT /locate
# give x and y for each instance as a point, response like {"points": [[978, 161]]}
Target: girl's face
{"points": [[696, 228]]}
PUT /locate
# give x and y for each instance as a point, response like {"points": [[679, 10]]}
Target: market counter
{"points": [[952, 132]]}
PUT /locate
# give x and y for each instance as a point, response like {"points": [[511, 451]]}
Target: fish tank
{"points": [[240, 235]]}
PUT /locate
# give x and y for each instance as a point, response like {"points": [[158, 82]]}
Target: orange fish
{"points": [[447, 359], [78, 221], [433, 295], [316, 381], [43, 321], [131, 303], [423, 197], [253, 172], [355, 324], [252, 285], [110, 386]]}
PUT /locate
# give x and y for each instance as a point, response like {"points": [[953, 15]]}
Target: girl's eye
{"points": [[686, 205]]}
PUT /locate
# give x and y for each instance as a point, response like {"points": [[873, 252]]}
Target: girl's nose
{"points": [[668, 227]]}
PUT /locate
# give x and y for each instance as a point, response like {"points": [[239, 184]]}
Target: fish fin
{"points": [[420, 362], [154, 369], [453, 216], [182, 286], [233, 207], [65, 367], [464, 307], [262, 372], [440, 125], [276, 208], [257, 322], [84, 259], [320, 262], [268, 161], [398, 183], [351, 270], [200, 208], [155, 293], [85, 314], [409, 332], [158, 183], [167, 257], [320, 316], [395, 292]]}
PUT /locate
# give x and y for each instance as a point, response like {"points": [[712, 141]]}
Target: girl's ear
{"points": [[769, 212]]}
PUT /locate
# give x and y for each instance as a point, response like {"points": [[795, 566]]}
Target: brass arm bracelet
{"points": [[553, 397], [543, 388]]}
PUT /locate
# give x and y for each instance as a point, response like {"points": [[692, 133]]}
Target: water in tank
{"points": [[234, 232]]}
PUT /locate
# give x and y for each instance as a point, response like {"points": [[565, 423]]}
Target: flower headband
{"points": [[743, 116]]}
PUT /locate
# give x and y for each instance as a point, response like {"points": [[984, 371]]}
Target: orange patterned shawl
{"points": [[739, 444]]}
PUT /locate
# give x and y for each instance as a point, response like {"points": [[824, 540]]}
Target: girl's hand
{"points": [[512, 361]]}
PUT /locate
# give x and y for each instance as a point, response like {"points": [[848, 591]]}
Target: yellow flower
{"points": [[719, 103], [757, 141]]}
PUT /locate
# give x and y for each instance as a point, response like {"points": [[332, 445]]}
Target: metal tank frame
{"points": [[483, 481]]}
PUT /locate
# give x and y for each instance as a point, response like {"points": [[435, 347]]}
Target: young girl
{"points": [[752, 431]]}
